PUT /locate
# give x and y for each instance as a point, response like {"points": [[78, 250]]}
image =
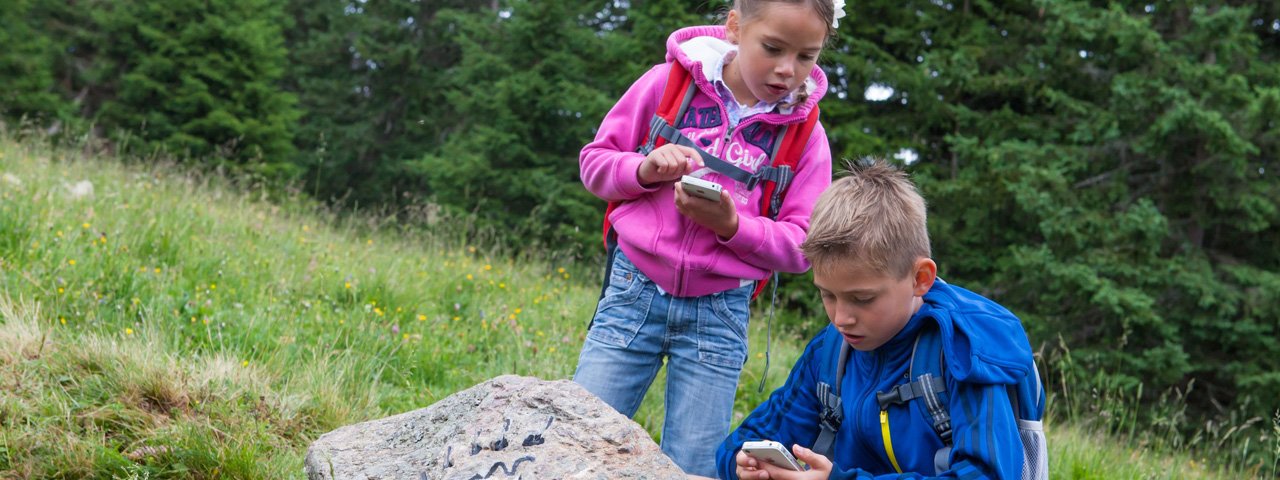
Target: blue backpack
{"points": [[928, 384]]}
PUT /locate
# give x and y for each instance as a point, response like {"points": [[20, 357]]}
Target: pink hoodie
{"points": [[682, 257]]}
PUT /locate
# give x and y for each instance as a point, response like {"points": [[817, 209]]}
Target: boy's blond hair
{"points": [[874, 218]]}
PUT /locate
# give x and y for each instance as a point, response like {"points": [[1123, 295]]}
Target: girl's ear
{"points": [[731, 25]]}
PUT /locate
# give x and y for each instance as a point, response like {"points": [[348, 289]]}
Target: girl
{"points": [[681, 276]]}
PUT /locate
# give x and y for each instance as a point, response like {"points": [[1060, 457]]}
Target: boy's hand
{"points": [[668, 162], [720, 217], [749, 468]]}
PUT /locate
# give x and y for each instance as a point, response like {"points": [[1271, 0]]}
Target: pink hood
{"points": [[679, 255]]}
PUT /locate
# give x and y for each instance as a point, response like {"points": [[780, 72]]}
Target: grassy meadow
{"points": [[158, 323]]}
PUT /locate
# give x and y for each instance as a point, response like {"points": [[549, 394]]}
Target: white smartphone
{"points": [[772, 452], [701, 188]]}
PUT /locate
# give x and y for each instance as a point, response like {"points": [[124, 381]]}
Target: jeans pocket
{"points": [[624, 306], [722, 327]]}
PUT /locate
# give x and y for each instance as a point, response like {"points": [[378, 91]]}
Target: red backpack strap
{"points": [[790, 148], [676, 95]]}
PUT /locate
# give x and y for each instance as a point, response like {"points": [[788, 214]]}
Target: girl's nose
{"points": [[786, 69]]}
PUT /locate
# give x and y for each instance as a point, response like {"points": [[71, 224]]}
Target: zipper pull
{"points": [[888, 442]]}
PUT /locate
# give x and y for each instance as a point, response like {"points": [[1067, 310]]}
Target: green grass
{"points": [[172, 325]]}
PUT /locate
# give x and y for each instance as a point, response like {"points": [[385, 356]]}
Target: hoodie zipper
{"points": [[877, 367]]}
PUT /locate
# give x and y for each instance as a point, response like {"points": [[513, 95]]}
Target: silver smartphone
{"points": [[772, 452], [701, 188]]}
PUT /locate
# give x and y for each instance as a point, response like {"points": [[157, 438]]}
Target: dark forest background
{"points": [[1106, 169]]}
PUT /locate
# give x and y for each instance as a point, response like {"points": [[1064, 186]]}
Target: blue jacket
{"points": [[985, 349]]}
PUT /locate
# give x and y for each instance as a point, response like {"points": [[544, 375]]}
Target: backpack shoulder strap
{"points": [[676, 96], [832, 414], [785, 155]]}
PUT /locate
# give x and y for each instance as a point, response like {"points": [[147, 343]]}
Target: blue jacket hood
{"points": [[976, 334]]}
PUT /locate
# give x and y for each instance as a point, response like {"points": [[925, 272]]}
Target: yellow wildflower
{"points": [[85, 225], [421, 317], [71, 262], [128, 331]]}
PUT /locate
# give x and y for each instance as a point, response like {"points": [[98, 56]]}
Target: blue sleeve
{"points": [[985, 436], [789, 416]]}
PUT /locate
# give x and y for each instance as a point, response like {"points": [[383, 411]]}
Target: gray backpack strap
{"points": [[659, 128], [658, 122], [832, 414]]}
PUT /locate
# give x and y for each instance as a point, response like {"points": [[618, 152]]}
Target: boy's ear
{"points": [[731, 25], [926, 271]]}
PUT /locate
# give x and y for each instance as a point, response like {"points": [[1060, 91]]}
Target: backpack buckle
{"points": [[829, 419], [892, 397]]}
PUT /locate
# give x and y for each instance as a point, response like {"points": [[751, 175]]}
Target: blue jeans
{"points": [[704, 342]]}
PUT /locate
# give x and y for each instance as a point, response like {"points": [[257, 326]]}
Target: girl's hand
{"points": [[668, 162], [720, 217], [750, 468]]}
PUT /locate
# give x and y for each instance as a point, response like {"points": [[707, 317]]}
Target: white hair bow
{"points": [[835, 22]]}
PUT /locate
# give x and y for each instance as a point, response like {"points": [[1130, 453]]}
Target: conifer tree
{"points": [[200, 78], [1106, 170], [27, 66]]}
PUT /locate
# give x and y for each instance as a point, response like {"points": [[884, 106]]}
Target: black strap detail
{"points": [[925, 386], [783, 181], [832, 414], [908, 391]]}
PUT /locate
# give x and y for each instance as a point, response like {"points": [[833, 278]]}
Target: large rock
{"points": [[507, 427]]}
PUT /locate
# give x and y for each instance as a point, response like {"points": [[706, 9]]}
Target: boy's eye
{"points": [[808, 58], [771, 49], [863, 301]]}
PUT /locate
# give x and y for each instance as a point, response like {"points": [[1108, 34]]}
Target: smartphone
{"points": [[772, 452], [701, 188]]}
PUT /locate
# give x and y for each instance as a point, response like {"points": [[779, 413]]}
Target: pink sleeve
{"points": [[609, 163], [775, 245]]}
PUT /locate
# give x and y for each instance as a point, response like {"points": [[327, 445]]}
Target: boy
{"points": [[871, 262]]}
